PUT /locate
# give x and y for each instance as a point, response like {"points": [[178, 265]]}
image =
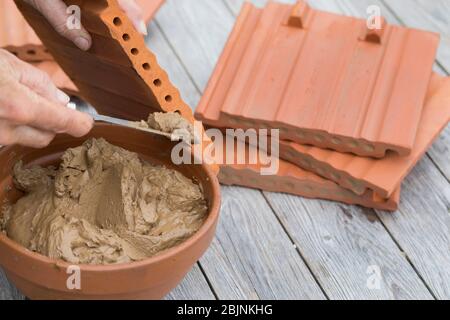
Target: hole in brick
{"points": [[134, 51], [146, 66], [15, 53], [157, 82], [177, 111], [117, 21], [168, 98], [31, 52], [126, 37]]}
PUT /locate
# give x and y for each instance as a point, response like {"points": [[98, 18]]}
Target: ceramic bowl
{"points": [[39, 277]]}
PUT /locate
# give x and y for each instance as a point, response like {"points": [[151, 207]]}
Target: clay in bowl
{"points": [[39, 277]]}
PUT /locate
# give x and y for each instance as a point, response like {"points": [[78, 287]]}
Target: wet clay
{"points": [[171, 122], [103, 205]]}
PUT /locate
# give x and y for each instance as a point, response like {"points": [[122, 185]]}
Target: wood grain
{"points": [[422, 226], [343, 245], [193, 287], [7, 290], [252, 257], [425, 205]]}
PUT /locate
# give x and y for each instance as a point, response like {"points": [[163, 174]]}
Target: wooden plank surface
{"points": [[345, 246], [7, 290], [193, 287], [422, 226], [252, 257]]}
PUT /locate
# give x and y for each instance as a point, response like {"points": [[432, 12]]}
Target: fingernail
{"points": [[142, 28], [82, 43], [71, 105], [62, 97]]}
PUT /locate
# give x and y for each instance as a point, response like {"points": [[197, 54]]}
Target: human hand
{"points": [[56, 13], [32, 109]]}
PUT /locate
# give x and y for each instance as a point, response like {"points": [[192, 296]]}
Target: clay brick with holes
{"points": [[119, 75], [383, 176], [361, 175], [294, 180], [323, 79], [17, 37], [124, 68]]}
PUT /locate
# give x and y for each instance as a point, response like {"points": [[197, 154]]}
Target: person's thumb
{"points": [[56, 12]]}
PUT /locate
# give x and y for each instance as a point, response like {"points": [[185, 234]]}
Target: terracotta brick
{"points": [[294, 180], [17, 37], [362, 174], [321, 83], [135, 81], [383, 176]]}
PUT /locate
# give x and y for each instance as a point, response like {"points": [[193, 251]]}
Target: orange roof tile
{"points": [[381, 175], [323, 79], [294, 180], [361, 174], [16, 35]]}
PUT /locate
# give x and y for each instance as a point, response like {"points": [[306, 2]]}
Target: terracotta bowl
{"points": [[39, 277]]}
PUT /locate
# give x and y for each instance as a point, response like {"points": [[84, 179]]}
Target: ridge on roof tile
{"points": [[383, 176], [17, 37], [294, 180], [319, 82]]}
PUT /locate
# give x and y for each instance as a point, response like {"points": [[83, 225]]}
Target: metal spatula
{"points": [[129, 124], [135, 125]]}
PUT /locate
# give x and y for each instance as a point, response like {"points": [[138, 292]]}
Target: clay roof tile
{"points": [[311, 74]]}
